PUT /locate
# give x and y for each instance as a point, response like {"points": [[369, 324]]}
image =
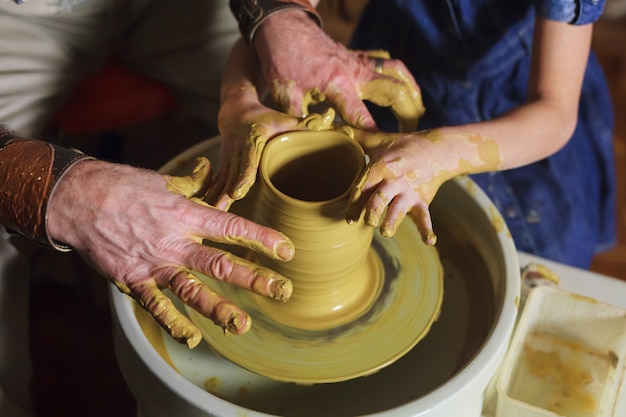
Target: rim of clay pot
{"points": [[296, 141]]}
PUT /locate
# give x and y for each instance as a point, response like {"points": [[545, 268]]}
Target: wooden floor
{"points": [[75, 372]]}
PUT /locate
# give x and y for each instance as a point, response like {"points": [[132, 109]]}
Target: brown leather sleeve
{"points": [[251, 13], [29, 170]]}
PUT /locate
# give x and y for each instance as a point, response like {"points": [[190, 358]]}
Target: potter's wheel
{"points": [[444, 375], [401, 309], [399, 318]]}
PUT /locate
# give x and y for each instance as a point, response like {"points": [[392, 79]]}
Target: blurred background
{"points": [[75, 371]]}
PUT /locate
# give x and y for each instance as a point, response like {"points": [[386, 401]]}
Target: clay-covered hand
{"points": [[245, 126], [303, 66], [144, 232], [406, 170], [398, 181]]}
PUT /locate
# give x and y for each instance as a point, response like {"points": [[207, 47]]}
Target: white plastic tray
{"points": [[566, 358]]}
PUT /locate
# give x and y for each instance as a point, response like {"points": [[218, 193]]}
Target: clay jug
{"points": [[305, 180]]}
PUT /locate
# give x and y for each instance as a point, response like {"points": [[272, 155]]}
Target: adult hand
{"points": [[302, 65], [246, 125], [141, 230]]}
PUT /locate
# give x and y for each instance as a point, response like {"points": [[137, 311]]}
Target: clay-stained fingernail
{"points": [[372, 219], [430, 238], [390, 228], [273, 286], [281, 289], [236, 324], [387, 231], [285, 250], [240, 191], [193, 340]]}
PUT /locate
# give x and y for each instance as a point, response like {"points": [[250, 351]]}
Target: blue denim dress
{"points": [[471, 60]]}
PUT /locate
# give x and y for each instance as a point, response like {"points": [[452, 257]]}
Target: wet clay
{"points": [[253, 135], [404, 102], [193, 184], [392, 89], [153, 333], [397, 92], [303, 192]]}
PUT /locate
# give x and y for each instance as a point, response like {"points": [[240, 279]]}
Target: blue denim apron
{"points": [[471, 60]]}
